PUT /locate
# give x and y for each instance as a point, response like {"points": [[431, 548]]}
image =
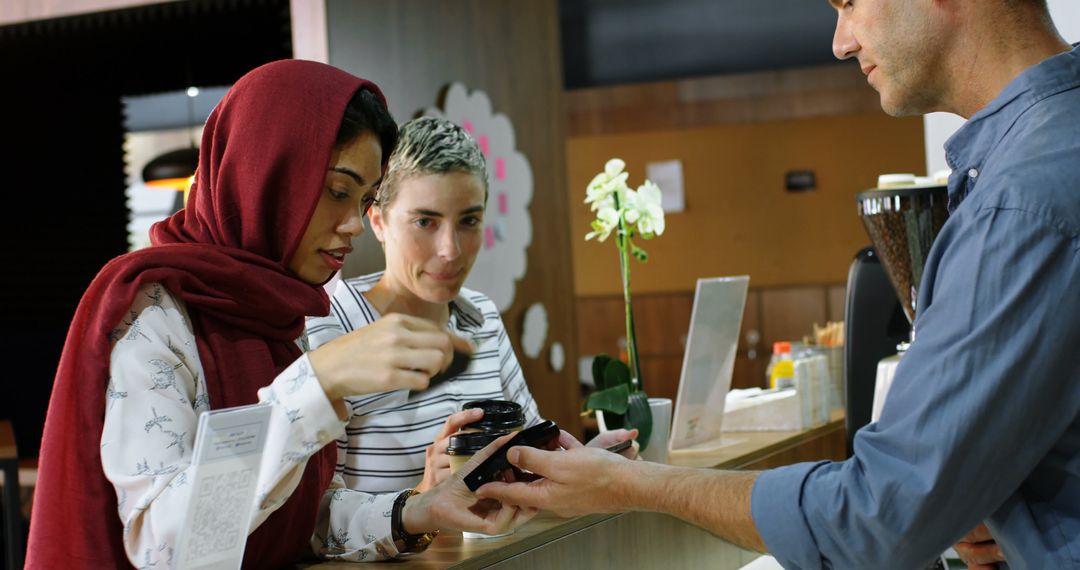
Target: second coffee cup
{"points": [[499, 415]]}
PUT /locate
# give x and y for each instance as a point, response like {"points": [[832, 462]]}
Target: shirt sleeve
{"points": [[155, 393], [979, 400], [354, 526], [513, 381]]}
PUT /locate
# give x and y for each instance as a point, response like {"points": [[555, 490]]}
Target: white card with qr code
{"points": [[228, 452]]}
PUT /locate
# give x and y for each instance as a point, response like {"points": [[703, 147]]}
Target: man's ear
{"points": [[375, 216]]}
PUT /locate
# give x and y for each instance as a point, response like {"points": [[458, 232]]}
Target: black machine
{"points": [[874, 324], [881, 289]]}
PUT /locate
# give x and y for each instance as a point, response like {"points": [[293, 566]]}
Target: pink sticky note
{"points": [[467, 125], [500, 168], [483, 144], [489, 237], [502, 203]]}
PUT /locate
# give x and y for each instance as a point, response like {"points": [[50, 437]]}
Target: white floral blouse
{"points": [[155, 394]]}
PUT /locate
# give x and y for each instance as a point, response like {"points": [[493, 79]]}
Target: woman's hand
{"points": [[450, 505], [437, 463], [396, 352]]}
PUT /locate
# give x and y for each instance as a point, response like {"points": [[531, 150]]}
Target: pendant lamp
{"points": [[175, 169]]}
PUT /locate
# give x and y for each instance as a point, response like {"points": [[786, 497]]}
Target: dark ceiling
{"points": [[608, 42]]}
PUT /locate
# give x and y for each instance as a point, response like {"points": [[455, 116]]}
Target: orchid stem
{"points": [[622, 240]]}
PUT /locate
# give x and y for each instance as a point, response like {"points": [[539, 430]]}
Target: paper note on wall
{"points": [[668, 176]]}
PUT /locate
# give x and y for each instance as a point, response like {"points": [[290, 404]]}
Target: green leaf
{"points": [[613, 420], [610, 400], [600, 361], [639, 253], [616, 373], [638, 415]]}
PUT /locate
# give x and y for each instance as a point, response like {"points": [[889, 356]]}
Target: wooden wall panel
{"points": [[739, 219], [413, 49], [749, 373], [600, 325], [661, 373], [789, 313], [829, 90], [750, 335], [662, 322], [837, 297]]}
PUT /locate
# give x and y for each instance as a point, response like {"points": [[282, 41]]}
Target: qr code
{"points": [[222, 513]]}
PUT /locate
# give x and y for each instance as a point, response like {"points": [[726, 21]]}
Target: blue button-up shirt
{"points": [[983, 417]]}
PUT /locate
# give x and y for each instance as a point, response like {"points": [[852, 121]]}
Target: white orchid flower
{"points": [[614, 167], [629, 201], [607, 220], [603, 185], [650, 212], [601, 189]]}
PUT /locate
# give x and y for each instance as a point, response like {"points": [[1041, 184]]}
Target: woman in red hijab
{"points": [[210, 316]]}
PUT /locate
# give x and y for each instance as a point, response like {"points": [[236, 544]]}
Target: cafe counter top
{"points": [[630, 540]]}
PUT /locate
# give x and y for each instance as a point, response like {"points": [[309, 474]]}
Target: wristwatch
{"points": [[405, 542]]}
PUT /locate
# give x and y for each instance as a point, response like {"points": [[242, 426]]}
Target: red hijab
{"points": [[264, 155]]}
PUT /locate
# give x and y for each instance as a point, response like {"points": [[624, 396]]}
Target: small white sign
{"points": [[668, 176], [227, 457]]}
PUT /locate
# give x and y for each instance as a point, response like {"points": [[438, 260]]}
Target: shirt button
{"points": [[974, 173]]}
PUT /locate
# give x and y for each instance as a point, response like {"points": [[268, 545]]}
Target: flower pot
{"points": [[659, 441]]}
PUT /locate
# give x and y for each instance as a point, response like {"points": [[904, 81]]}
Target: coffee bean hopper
{"points": [[882, 289], [902, 224]]}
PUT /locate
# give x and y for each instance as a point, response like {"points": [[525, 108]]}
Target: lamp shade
{"points": [[173, 169]]}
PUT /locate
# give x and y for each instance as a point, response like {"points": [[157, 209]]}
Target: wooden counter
{"points": [[631, 540]]}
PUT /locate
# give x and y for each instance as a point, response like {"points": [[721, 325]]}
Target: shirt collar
{"points": [[968, 148], [469, 316]]}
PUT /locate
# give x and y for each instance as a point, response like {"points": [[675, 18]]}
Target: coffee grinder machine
{"points": [[902, 223]]}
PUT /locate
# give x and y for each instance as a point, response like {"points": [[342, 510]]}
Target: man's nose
{"points": [[844, 44]]}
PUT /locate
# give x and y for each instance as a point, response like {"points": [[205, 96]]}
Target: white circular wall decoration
{"points": [[557, 356], [507, 224], [534, 330]]}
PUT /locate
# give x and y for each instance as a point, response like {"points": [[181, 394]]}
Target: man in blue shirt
{"points": [[983, 418]]}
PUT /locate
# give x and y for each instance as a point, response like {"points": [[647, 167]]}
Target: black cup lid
{"points": [[498, 414], [469, 442]]}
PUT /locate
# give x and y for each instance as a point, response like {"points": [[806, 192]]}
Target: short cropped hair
{"points": [[431, 145]]}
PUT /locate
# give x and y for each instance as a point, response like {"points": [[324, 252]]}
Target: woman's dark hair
{"points": [[365, 112]]}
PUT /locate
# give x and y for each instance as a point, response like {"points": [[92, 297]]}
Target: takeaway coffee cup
{"points": [[499, 415], [464, 444]]}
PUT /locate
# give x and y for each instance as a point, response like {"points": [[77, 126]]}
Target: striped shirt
{"points": [[383, 449]]}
